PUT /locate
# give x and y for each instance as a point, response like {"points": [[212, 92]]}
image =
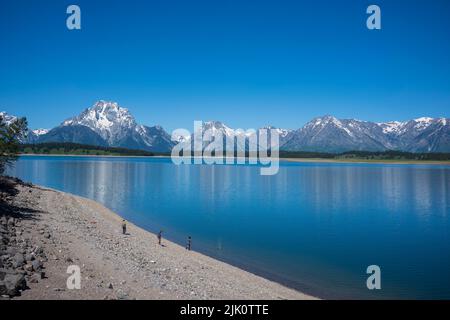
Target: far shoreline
{"points": [[300, 160], [87, 155], [363, 161]]}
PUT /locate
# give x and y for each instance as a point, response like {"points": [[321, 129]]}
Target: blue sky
{"points": [[246, 63]]}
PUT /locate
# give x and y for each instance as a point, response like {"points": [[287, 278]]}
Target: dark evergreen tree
{"points": [[10, 136]]}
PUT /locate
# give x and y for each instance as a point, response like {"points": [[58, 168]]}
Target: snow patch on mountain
{"points": [[217, 127], [282, 133], [392, 126], [7, 118], [423, 123], [40, 132]]}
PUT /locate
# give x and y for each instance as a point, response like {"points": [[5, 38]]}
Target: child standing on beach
{"points": [[188, 244], [124, 227], [159, 237]]}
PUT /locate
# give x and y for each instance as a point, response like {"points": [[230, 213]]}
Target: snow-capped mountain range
{"points": [[105, 124], [329, 134], [241, 137], [108, 124], [116, 127]]}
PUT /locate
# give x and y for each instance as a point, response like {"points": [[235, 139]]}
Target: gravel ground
{"points": [[76, 231]]}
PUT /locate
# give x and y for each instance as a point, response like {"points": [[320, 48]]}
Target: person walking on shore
{"points": [[159, 237], [124, 227], [189, 243]]}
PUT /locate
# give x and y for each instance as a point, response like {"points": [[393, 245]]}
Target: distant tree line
{"points": [[394, 155], [80, 149], [306, 155], [369, 155], [361, 155]]}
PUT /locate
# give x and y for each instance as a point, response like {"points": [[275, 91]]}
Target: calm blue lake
{"points": [[314, 226]]}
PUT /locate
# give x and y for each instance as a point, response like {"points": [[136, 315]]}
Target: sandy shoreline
{"points": [[79, 231]]}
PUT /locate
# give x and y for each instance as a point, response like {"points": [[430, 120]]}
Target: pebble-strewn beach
{"points": [[49, 230]]}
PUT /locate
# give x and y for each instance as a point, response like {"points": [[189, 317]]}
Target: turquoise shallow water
{"points": [[313, 226]]}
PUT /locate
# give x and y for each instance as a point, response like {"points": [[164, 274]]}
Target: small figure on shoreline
{"points": [[124, 227], [189, 243], [159, 237]]}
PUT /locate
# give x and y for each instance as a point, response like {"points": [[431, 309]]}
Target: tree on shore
{"points": [[10, 136]]}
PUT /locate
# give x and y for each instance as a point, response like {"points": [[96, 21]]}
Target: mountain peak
{"points": [[281, 132], [214, 124], [322, 121], [217, 126], [118, 128], [326, 117], [106, 118], [424, 119], [7, 118], [105, 106], [102, 117]]}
